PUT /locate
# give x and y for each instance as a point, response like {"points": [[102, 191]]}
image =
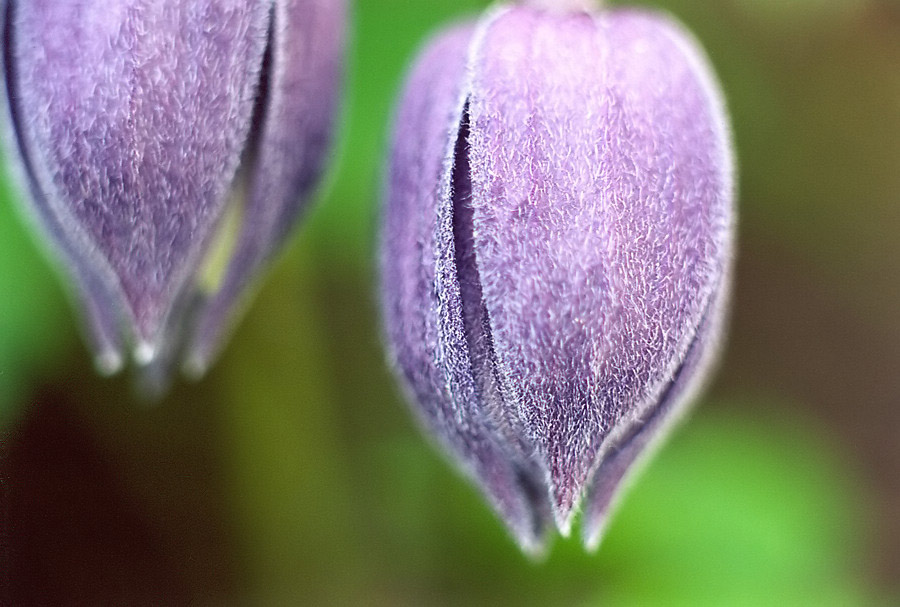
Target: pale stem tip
{"points": [[564, 5]]}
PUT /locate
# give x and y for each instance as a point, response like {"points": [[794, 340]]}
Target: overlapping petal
{"points": [[129, 122], [582, 247]]}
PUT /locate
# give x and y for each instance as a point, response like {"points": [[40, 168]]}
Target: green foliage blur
{"points": [[294, 475]]}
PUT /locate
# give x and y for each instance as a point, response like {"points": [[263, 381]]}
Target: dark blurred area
{"points": [[294, 474]]}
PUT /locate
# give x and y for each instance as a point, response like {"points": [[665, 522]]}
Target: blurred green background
{"points": [[294, 475]]}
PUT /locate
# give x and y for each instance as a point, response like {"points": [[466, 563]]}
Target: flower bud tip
{"points": [[108, 363], [144, 353], [592, 537], [195, 366]]}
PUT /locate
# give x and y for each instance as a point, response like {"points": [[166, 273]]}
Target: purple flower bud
{"points": [[134, 126], [556, 250]]}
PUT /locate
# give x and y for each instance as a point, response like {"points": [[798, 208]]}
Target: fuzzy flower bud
{"points": [[133, 126], [556, 250]]}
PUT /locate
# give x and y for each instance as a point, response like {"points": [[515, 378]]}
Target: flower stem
{"points": [[564, 5]]}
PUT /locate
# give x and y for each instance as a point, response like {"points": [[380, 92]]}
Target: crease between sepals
{"points": [[417, 244], [129, 121], [584, 228]]}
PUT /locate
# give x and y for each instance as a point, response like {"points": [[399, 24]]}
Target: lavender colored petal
{"points": [[96, 300], [601, 190], [421, 295], [144, 108], [302, 88], [624, 454]]}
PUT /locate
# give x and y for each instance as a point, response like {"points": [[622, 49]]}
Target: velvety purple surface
{"points": [[135, 114], [130, 119], [623, 453], [289, 153], [425, 328], [100, 304], [584, 232]]}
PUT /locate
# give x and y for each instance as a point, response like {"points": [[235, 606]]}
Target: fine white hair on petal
{"points": [[287, 155], [129, 121], [142, 133], [421, 294], [569, 299]]}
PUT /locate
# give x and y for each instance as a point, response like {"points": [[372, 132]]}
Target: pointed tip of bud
{"points": [[564, 511], [144, 353], [108, 362], [195, 366], [565, 495], [534, 547], [533, 538], [592, 533], [566, 482]]}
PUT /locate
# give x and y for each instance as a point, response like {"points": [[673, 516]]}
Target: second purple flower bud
{"points": [[135, 127]]}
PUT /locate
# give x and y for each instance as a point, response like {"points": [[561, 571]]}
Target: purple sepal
{"points": [[287, 155], [560, 277], [128, 121], [422, 301]]}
